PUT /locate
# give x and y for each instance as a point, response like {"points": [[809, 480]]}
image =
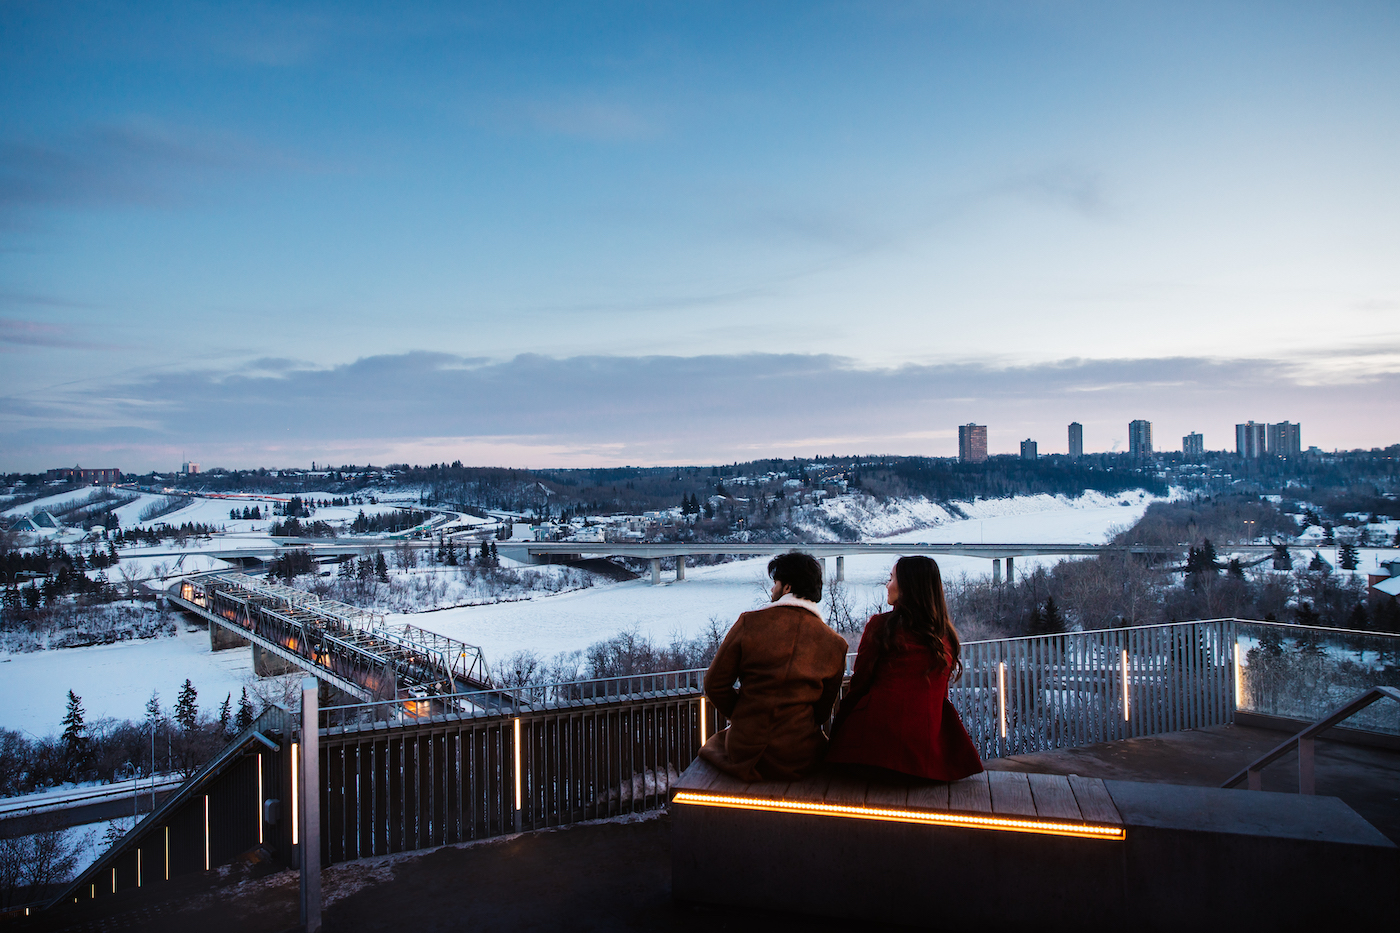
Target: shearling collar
{"points": [[787, 599]]}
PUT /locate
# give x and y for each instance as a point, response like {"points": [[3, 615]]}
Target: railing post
{"points": [[1306, 784], [310, 807]]}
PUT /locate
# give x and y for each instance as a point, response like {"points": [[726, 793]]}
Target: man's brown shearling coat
{"points": [[789, 666]]}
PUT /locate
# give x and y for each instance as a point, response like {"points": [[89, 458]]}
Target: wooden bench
{"points": [[1005, 849]]}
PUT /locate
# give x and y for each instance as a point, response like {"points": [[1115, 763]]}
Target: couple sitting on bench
{"points": [[896, 717]]}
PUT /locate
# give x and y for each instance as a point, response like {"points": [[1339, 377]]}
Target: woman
{"points": [[897, 715]]}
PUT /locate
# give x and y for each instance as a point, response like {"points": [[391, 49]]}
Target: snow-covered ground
{"points": [[116, 680], [572, 621], [54, 503]]}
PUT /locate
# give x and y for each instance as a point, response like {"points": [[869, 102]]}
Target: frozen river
{"points": [[116, 680]]}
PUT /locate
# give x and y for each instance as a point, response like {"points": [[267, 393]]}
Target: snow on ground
{"points": [[55, 503], [116, 680], [573, 621]]}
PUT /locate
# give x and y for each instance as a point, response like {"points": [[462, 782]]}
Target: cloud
{"points": [[660, 409], [136, 162], [37, 334]]}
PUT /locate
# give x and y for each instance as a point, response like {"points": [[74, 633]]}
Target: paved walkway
{"points": [[616, 875]]}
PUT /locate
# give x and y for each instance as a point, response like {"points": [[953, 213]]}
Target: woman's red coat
{"points": [[897, 715]]}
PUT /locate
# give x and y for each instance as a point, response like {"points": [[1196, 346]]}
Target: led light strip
{"points": [[967, 820]]}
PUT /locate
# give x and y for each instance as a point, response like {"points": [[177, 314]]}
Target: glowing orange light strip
{"points": [[965, 820], [1125, 686]]}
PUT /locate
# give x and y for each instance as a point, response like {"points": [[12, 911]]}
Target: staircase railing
{"points": [[1304, 743]]}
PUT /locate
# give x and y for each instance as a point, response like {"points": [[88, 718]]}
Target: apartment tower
{"points": [[972, 443], [1140, 439], [1076, 440]]}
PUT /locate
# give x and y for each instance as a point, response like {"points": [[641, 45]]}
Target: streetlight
{"points": [[1250, 523]]}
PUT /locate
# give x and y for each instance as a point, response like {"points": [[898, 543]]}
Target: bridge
{"points": [[349, 648], [554, 551]]}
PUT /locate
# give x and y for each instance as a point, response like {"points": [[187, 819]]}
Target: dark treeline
{"points": [[177, 741]]}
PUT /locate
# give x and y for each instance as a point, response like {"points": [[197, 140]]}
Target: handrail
{"points": [[1303, 741]]}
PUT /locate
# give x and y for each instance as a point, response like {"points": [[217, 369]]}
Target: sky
{"points": [[616, 233]]}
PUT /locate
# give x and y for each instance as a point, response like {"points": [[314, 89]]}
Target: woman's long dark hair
{"points": [[922, 613]]}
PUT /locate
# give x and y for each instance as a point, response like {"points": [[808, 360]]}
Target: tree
{"points": [[187, 707], [1347, 556], [226, 716], [76, 747], [245, 711], [381, 569]]}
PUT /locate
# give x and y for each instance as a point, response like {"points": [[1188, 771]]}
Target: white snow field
{"points": [[116, 680], [573, 621]]}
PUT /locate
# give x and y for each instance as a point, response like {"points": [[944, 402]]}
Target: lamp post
{"points": [[1250, 523]]}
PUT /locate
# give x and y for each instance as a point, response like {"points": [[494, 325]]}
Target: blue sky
{"points": [[634, 233]]}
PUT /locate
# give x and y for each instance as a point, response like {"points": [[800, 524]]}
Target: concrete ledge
{"points": [[1188, 857]]}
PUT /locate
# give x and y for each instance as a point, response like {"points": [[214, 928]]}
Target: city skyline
{"points": [[545, 235]]}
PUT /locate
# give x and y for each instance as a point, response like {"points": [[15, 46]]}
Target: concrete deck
{"points": [[616, 875]]}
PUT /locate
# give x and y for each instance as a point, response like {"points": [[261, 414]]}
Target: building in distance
{"points": [[1140, 439], [1250, 440], [972, 443], [1028, 449], [77, 474], [1285, 439], [1076, 440], [1193, 446], [189, 467]]}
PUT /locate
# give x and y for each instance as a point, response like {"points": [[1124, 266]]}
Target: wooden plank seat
{"points": [[1008, 850], [1004, 801]]}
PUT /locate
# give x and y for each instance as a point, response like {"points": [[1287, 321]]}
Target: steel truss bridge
{"points": [[349, 648]]}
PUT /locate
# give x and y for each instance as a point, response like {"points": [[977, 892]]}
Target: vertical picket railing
{"points": [[408, 775], [1023, 695]]}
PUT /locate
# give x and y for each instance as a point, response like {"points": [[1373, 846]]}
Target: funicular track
{"points": [[352, 649]]}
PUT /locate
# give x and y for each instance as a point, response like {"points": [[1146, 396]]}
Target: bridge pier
{"points": [[996, 571], [1010, 570], [680, 567], [267, 664], [655, 571], [840, 569], [221, 638]]}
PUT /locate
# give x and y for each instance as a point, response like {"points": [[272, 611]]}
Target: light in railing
{"points": [[516, 749], [1239, 676], [296, 797], [1125, 684], [1001, 696], [702, 720]]}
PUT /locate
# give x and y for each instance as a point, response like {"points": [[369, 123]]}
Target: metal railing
{"points": [[1305, 741], [403, 774]]}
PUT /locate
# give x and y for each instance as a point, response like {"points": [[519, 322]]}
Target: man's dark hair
{"points": [[800, 572]]}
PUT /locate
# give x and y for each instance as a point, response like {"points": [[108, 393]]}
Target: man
{"points": [[789, 666]]}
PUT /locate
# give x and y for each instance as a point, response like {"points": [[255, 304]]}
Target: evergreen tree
{"points": [[1318, 564], [187, 707], [1236, 568], [345, 572], [76, 747], [245, 711], [1359, 619], [226, 715], [381, 569], [1054, 619], [1347, 556], [153, 714], [452, 553], [495, 557]]}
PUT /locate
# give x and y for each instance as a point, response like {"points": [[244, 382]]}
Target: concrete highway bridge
{"points": [[561, 551]]}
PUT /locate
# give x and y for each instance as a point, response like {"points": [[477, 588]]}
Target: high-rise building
{"points": [[190, 467], [1193, 446], [972, 443], [1076, 440], [1285, 439], [1028, 449], [1140, 439], [1250, 440]]}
